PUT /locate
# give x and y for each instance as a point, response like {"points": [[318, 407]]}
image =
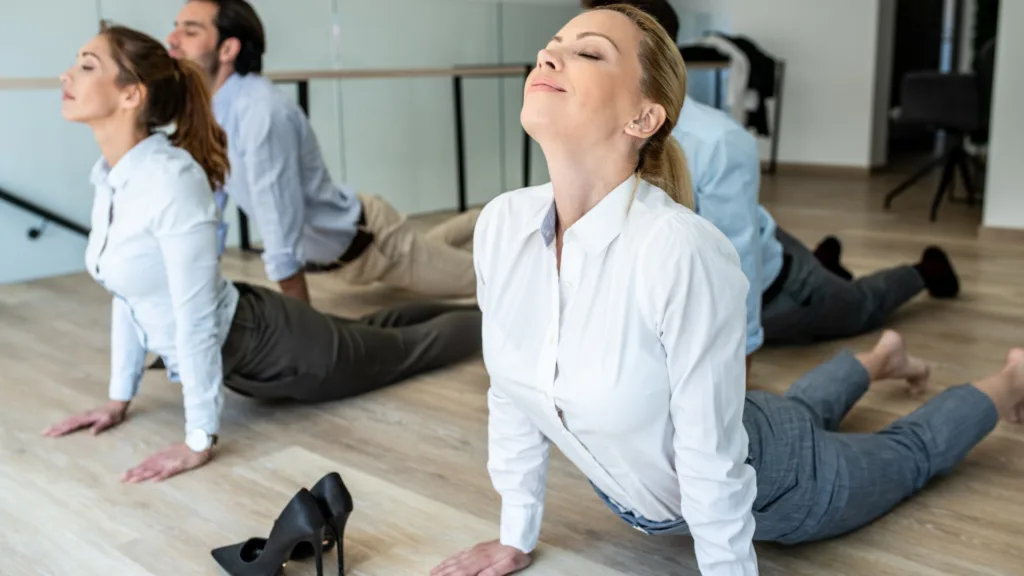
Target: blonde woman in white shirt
{"points": [[614, 328], [153, 245]]}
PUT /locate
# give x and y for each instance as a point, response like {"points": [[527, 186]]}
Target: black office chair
{"points": [[959, 105]]}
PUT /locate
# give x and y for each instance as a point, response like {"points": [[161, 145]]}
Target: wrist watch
{"points": [[199, 441]]}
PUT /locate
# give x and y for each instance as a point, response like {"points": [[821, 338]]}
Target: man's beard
{"points": [[211, 64]]}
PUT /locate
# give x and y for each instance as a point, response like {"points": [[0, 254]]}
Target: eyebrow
{"points": [[585, 34], [93, 54], [193, 24]]}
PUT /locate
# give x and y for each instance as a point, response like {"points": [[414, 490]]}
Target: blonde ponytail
{"points": [[663, 164]]}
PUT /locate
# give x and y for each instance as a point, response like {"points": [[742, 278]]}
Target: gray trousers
{"points": [[815, 304], [281, 348], [814, 482]]}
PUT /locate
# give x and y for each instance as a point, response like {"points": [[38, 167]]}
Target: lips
{"points": [[65, 96], [546, 85]]}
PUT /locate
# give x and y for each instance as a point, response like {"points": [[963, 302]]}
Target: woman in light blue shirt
{"points": [[154, 247]]}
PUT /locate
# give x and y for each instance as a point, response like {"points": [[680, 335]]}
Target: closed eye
{"points": [[589, 55]]}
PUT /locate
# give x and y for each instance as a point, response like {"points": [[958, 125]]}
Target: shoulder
{"points": [[514, 212], [174, 178], [668, 235], [259, 107], [702, 129]]}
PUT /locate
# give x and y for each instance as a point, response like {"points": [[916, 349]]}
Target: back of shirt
{"points": [[279, 178]]}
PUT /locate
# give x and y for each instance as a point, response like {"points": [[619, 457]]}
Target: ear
{"points": [[647, 122], [133, 96], [229, 50]]}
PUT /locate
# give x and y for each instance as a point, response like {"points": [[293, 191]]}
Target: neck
{"points": [[218, 80], [116, 137], [581, 181]]}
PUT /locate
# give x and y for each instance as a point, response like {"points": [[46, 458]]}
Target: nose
{"points": [[172, 39], [64, 80], [548, 59]]}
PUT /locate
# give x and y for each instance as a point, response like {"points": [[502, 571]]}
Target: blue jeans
{"points": [[814, 482]]}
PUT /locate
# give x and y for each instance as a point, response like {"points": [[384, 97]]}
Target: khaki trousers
{"points": [[403, 257]]}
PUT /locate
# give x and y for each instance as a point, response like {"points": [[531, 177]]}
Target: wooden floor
{"points": [[414, 455]]}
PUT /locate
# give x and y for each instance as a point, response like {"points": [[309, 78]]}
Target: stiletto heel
{"points": [[336, 504], [300, 524], [318, 551], [337, 525]]}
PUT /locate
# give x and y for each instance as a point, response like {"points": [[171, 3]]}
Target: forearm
{"points": [[295, 286], [127, 354]]}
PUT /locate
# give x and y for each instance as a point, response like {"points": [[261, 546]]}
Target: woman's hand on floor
{"points": [[484, 559], [168, 462], [97, 420]]}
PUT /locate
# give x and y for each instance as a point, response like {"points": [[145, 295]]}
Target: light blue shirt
{"points": [[726, 170], [153, 246], [278, 177]]}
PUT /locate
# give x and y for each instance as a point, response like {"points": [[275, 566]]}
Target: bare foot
{"points": [[1013, 407], [898, 364]]}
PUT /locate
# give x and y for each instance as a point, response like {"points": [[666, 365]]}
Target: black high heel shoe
{"points": [[300, 523], [335, 505]]}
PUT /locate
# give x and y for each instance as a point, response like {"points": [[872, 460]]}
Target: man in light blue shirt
{"points": [[795, 297], [279, 179]]}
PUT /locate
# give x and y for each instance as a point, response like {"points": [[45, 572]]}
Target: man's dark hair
{"points": [[237, 19]]}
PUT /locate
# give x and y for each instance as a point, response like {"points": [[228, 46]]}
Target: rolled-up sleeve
{"points": [[185, 226], [698, 292], [270, 145]]}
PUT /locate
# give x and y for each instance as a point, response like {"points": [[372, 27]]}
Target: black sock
{"points": [[938, 274], [829, 252]]}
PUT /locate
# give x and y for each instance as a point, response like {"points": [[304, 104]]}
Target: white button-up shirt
{"points": [[153, 245], [631, 360]]}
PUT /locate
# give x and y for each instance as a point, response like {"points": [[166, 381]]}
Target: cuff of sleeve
{"points": [[123, 390], [280, 266], [520, 526], [755, 340]]}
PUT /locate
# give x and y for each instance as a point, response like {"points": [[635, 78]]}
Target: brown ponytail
{"points": [[197, 130], [662, 162], [176, 93]]}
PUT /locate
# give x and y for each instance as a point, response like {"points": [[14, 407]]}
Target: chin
{"points": [[69, 113], [537, 120]]}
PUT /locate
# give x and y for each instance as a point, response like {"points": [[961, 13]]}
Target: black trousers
{"points": [[815, 305], [282, 348]]}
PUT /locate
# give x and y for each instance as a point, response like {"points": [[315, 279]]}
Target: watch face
{"points": [[197, 440]]}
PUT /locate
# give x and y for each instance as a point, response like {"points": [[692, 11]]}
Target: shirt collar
{"points": [[600, 225], [226, 94], [122, 172]]}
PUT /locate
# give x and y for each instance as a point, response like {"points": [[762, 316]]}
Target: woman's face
{"points": [[586, 86], [91, 92]]}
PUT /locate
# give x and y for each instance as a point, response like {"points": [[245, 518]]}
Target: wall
{"points": [[1004, 191], [390, 137], [884, 47], [830, 50]]}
